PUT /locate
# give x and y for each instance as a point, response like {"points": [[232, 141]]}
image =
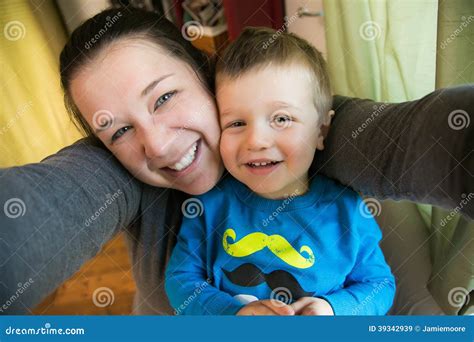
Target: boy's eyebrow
{"points": [[283, 104], [153, 84]]}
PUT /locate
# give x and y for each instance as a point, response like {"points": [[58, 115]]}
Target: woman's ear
{"points": [[324, 131]]}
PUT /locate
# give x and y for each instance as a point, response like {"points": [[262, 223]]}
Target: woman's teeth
{"points": [[187, 159]]}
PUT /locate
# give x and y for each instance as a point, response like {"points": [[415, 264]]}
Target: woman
{"points": [[143, 93]]}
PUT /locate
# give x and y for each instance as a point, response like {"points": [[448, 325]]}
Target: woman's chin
{"points": [[202, 184]]}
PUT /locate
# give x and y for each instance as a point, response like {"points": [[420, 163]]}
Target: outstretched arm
{"points": [[420, 150], [55, 215]]}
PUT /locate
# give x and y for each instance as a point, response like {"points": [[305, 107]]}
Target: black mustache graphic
{"points": [[249, 275]]}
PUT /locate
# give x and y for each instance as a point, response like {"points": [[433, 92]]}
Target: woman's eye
{"points": [[120, 132], [162, 99]]}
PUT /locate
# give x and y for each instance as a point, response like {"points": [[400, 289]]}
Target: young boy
{"points": [[273, 239]]}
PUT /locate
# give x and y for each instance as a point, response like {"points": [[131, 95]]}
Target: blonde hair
{"points": [[259, 47]]}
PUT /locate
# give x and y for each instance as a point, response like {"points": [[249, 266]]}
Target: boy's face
{"points": [[268, 116]]}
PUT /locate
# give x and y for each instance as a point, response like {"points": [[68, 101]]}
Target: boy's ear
{"points": [[324, 130]]}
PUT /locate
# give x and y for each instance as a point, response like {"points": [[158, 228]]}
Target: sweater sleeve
{"points": [[406, 150], [370, 287], [189, 288], [56, 215]]}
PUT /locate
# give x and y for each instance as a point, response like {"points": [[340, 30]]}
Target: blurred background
{"points": [[389, 51]]}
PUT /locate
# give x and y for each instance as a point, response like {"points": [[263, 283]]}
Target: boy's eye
{"points": [[281, 120], [162, 99], [120, 132], [236, 124]]}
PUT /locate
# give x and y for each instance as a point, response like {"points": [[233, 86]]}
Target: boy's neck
{"points": [[296, 188]]}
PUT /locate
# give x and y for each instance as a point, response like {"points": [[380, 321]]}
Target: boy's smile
{"points": [[270, 128]]}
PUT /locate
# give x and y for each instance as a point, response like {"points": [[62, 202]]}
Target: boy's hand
{"points": [[268, 307], [311, 306]]}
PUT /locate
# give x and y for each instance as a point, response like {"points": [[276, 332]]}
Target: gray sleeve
{"points": [[57, 214], [420, 150]]}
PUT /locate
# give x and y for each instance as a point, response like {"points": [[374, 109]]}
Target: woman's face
{"points": [[153, 113]]}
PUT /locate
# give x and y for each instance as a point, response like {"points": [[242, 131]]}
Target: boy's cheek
{"points": [[226, 151]]}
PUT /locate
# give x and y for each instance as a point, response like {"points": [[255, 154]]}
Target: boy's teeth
{"points": [[262, 164], [187, 159]]}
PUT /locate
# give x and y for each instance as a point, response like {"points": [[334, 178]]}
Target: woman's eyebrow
{"points": [[153, 84]]}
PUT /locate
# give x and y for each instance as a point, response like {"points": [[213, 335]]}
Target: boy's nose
{"points": [[259, 139]]}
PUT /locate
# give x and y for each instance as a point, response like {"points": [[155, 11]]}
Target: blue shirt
{"points": [[234, 245]]}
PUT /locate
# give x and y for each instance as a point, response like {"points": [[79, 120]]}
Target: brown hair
{"points": [[112, 25], [258, 47]]}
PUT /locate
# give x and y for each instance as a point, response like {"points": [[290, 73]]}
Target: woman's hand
{"points": [[311, 306], [268, 307]]}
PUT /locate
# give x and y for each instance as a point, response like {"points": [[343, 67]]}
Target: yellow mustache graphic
{"points": [[279, 246]]}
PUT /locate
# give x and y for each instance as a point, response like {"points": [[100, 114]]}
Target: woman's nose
{"points": [[157, 142], [259, 138]]}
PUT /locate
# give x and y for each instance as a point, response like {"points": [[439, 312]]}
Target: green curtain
{"points": [[383, 50], [397, 51], [33, 120]]}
